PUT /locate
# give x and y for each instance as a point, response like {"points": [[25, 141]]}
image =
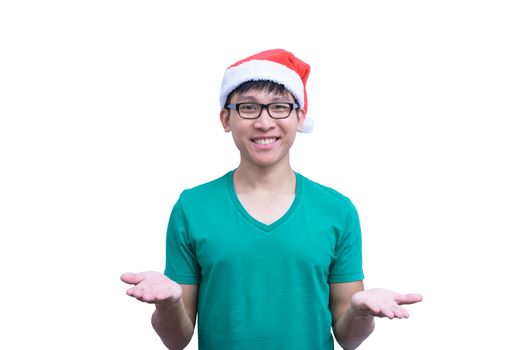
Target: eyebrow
{"points": [[250, 98]]}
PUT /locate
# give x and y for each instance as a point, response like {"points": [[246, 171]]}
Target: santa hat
{"points": [[278, 66]]}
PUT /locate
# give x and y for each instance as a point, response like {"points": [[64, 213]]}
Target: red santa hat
{"points": [[277, 65]]}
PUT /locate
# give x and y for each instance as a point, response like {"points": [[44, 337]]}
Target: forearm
{"points": [[351, 330], [173, 325]]}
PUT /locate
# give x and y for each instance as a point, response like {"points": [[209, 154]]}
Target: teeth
{"points": [[265, 141]]}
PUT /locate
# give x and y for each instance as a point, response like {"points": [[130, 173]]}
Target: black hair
{"points": [[263, 85]]}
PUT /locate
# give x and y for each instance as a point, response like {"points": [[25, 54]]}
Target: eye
{"points": [[279, 107], [248, 107]]}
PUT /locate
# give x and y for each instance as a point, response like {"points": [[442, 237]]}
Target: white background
{"points": [[110, 108]]}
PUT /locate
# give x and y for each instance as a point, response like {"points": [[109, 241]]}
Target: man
{"points": [[267, 258]]}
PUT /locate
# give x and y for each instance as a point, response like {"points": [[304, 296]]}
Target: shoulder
{"points": [[325, 197], [322, 192], [210, 191]]}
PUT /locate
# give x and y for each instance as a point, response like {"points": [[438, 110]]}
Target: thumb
{"points": [[132, 278], [409, 298]]}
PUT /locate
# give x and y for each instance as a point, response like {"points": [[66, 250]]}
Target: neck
{"points": [[277, 178]]}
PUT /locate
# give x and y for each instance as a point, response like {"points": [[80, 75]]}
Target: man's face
{"points": [[263, 141]]}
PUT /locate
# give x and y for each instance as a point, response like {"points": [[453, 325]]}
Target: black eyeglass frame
{"points": [[236, 106]]}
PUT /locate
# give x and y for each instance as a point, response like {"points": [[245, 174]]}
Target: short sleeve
{"points": [[347, 266], [181, 263]]}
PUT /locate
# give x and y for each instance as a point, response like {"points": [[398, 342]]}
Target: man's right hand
{"points": [[152, 287]]}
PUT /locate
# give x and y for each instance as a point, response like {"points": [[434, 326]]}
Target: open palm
{"points": [[152, 287], [382, 303]]}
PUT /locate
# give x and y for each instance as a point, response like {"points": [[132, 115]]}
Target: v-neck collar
{"points": [[251, 219]]}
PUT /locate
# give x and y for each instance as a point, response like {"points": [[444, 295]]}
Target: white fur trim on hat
{"points": [[308, 126], [262, 70]]}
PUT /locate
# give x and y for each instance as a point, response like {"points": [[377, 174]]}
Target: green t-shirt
{"points": [[263, 286]]}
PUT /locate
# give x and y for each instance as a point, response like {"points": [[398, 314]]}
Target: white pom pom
{"points": [[308, 126]]}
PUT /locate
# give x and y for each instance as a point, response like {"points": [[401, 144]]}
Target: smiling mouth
{"points": [[265, 141]]}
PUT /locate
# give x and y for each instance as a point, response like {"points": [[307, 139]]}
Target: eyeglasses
{"points": [[251, 110]]}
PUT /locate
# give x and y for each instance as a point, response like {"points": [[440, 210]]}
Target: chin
{"points": [[264, 163]]}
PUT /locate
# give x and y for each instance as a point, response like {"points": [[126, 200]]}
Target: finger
{"points": [[140, 295], [132, 278], [408, 298], [400, 312], [148, 297], [137, 293], [387, 312]]}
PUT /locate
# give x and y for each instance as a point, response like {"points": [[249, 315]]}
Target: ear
{"points": [[301, 116], [224, 119]]}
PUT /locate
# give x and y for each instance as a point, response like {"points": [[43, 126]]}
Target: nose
{"points": [[264, 121]]}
